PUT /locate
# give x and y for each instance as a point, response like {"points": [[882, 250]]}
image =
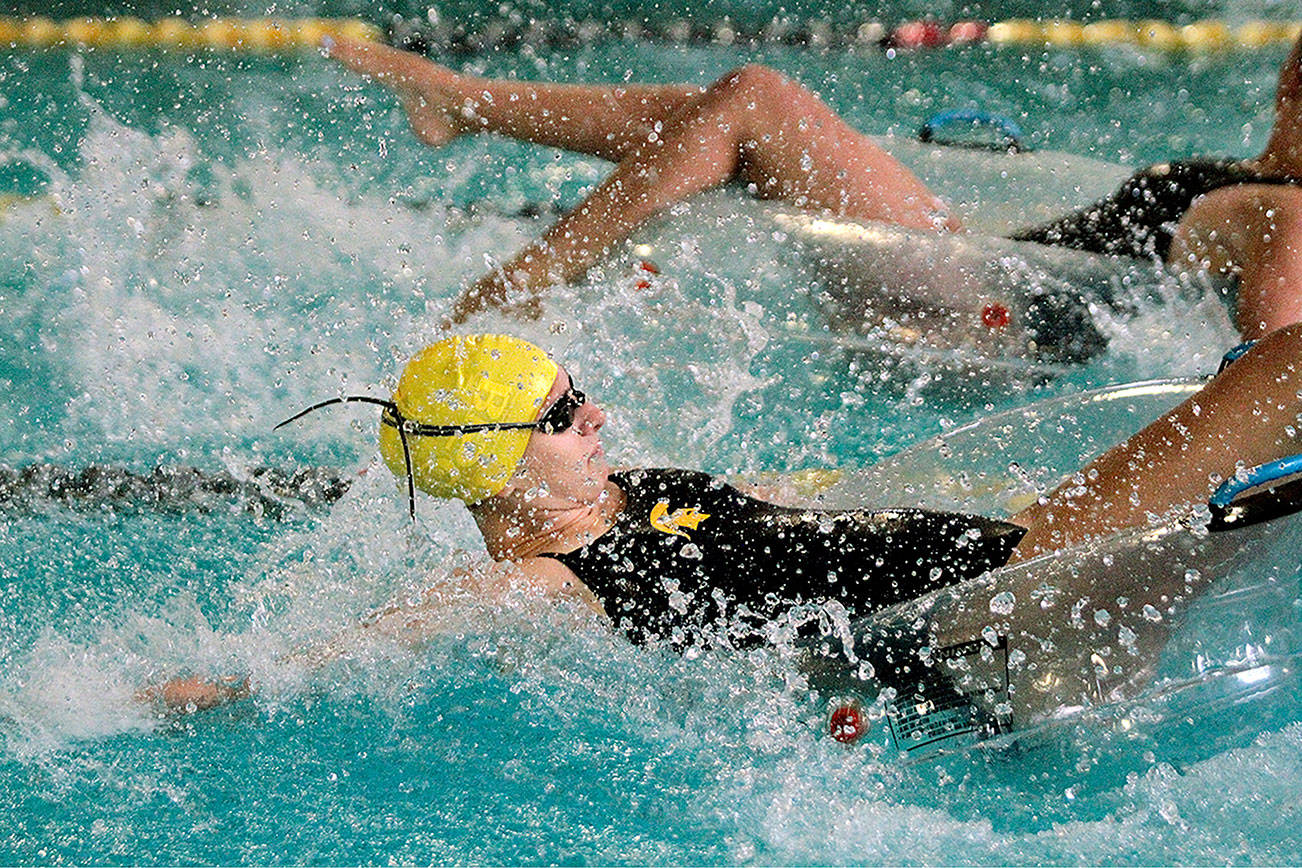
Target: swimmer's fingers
{"points": [[195, 693], [468, 304], [497, 290]]}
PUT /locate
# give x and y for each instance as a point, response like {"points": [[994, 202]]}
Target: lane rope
{"points": [[443, 37], [1208, 35], [275, 36], [273, 492], [254, 36]]}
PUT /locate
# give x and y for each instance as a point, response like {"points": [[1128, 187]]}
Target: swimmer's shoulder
{"points": [[550, 577], [547, 574]]}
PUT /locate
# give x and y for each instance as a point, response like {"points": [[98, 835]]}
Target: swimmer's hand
{"points": [[188, 695], [496, 290]]}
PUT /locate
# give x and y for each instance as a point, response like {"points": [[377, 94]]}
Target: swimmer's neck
{"points": [[515, 526]]}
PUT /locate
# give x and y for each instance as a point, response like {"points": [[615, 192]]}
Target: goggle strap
{"points": [[406, 425], [426, 430], [347, 399], [411, 476], [402, 435]]}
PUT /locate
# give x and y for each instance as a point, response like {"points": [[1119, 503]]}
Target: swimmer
{"points": [[682, 558], [1240, 218]]}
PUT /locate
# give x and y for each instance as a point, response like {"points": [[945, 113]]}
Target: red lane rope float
{"points": [[933, 34], [257, 36]]}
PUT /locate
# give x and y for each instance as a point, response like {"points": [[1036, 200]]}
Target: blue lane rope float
{"points": [[1010, 134]]}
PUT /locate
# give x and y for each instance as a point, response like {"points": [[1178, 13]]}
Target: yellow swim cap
{"points": [[467, 380]]}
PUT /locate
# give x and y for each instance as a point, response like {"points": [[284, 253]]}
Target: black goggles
{"points": [[559, 417]]}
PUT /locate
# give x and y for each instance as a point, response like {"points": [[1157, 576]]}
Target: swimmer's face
{"points": [[570, 464]]}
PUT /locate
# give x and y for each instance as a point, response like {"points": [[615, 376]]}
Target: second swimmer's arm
{"points": [[562, 254]]}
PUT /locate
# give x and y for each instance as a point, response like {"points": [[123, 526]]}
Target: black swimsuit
{"points": [[1139, 219], [691, 559]]}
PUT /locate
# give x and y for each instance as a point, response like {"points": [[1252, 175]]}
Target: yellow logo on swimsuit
{"points": [[667, 522]]}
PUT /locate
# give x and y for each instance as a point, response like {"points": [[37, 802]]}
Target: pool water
{"points": [[202, 246]]}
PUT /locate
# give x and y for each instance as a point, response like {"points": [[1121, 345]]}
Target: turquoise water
{"points": [[214, 242]]}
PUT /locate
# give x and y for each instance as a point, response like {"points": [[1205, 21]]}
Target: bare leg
{"points": [[671, 141], [607, 121], [1283, 152], [1247, 416], [753, 125]]}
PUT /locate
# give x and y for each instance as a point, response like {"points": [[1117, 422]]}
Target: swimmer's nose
{"points": [[589, 418]]}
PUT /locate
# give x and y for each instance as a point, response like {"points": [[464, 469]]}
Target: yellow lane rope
{"points": [[258, 36], [1210, 35]]}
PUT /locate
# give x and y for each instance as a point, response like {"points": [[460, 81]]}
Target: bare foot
{"points": [[423, 87]]}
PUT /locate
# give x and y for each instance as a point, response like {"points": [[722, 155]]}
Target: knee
{"points": [[755, 83]]}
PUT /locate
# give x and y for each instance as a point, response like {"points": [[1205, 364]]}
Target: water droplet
{"points": [[1003, 603]]}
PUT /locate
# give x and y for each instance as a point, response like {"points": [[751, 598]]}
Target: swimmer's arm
{"points": [[551, 578], [449, 607], [194, 693], [440, 610]]}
